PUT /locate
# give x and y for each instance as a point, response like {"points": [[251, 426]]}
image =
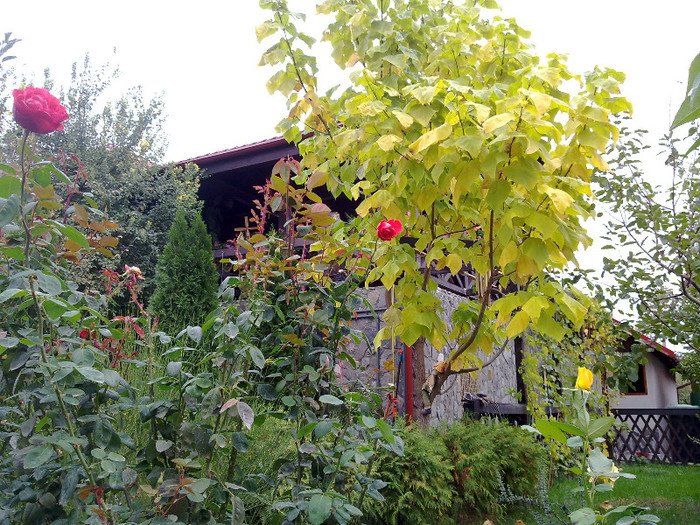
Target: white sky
{"points": [[203, 56]]}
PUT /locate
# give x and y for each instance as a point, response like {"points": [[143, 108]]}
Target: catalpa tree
{"points": [[453, 126]]}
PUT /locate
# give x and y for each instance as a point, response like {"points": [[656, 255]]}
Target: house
{"points": [[228, 191], [656, 383]]}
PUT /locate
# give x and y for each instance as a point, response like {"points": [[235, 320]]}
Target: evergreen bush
{"points": [[186, 277], [455, 471], [420, 488]]}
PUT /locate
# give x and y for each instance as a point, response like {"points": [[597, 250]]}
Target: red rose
{"points": [[38, 111], [388, 229], [84, 334]]}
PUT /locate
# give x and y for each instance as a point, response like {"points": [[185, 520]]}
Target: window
{"points": [[639, 387]]}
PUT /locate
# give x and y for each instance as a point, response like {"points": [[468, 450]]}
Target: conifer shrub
{"points": [[485, 456], [455, 471], [420, 488], [186, 277]]}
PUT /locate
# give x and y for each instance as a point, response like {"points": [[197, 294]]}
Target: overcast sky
{"points": [[202, 55]]}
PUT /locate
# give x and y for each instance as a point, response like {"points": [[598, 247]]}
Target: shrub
{"points": [[484, 454], [186, 278], [420, 486], [455, 470]]}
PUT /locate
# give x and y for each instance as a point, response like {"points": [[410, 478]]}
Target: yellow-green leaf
{"points": [[424, 94], [509, 253], [534, 306], [431, 137], [371, 108], [497, 121], [560, 198], [404, 118], [541, 101], [574, 310], [386, 142], [518, 324], [454, 263]]}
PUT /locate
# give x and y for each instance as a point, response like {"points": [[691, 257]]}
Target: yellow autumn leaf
{"points": [[534, 306], [509, 253], [454, 263], [497, 121], [560, 198], [431, 137], [404, 118], [526, 266], [481, 112], [354, 59], [518, 324], [386, 142], [549, 75], [541, 101]]}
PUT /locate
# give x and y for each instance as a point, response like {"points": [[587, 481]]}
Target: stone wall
{"points": [[374, 368]]}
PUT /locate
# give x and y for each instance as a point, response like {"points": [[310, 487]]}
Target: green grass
{"points": [[672, 492]]}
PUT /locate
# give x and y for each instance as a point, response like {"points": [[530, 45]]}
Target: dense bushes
{"points": [[453, 471]]}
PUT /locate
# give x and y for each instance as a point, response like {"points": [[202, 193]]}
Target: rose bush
{"points": [[388, 229], [38, 111]]}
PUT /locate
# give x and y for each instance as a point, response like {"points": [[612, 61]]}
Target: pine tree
{"points": [[186, 278]]}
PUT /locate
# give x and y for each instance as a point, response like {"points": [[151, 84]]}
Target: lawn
{"points": [[671, 491]]}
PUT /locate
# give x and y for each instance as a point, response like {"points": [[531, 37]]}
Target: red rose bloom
{"points": [[84, 334], [388, 229], [38, 111]]}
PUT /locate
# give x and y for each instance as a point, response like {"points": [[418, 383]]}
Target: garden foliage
{"points": [[655, 225], [455, 471], [98, 429], [450, 124], [111, 147]]}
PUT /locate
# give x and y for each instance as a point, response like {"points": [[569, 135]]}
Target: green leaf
{"points": [[319, 509], [10, 186], [551, 430], [306, 430], [91, 374], [599, 427], [330, 400], [498, 192], [598, 462], [583, 516], [257, 356], [267, 392], [54, 309], [49, 284], [240, 442], [322, 429], [386, 431], [11, 293], [37, 457], [173, 368], [8, 210], [83, 357], [74, 235], [194, 333], [211, 403]]}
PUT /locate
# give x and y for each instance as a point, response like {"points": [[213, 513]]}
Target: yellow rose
{"points": [[584, 379]]}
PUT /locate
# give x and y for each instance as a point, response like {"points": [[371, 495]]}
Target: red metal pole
{"points": [[408, 381]]}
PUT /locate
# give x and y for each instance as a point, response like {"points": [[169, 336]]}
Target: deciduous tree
{"points": [[451, 124]]}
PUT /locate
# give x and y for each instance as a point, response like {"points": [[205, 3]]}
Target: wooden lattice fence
{"points": [[662, 434]]}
